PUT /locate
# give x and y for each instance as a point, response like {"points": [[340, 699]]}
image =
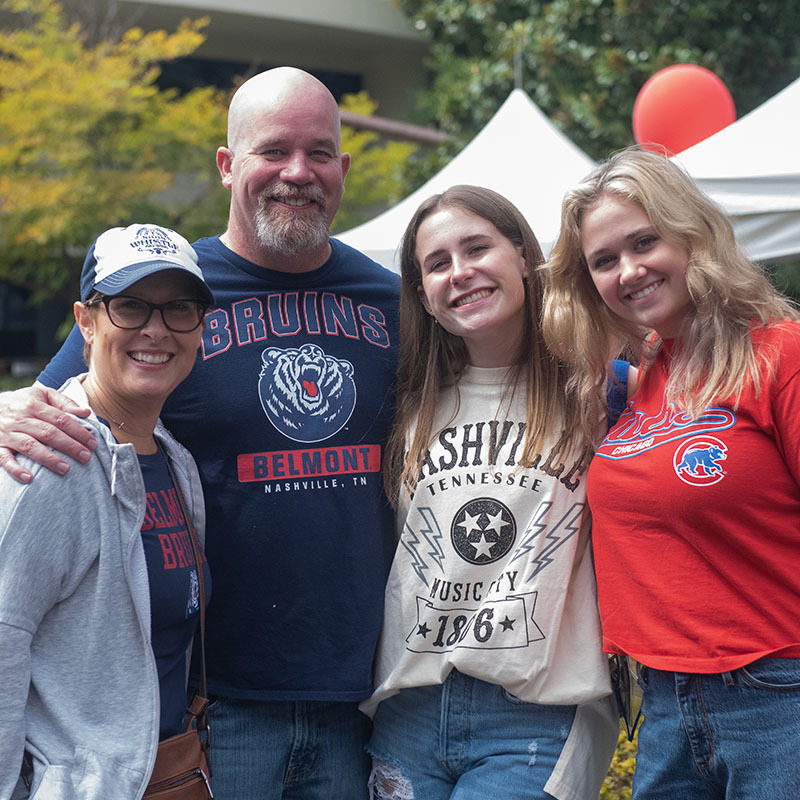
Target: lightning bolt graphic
{"points": [[570, 524], [534, 529], [437, 554], [432, 534]]}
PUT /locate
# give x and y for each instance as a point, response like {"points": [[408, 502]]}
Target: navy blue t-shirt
{"points": [[174, 588], [286, 413]]}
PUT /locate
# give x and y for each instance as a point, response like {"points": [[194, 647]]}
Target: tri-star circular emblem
{"points": [[483, 530]]}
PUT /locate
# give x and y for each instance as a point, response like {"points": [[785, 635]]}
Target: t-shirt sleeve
{"points": [[785, 403], [66, 363]]}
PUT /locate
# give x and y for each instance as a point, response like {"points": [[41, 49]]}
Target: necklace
{"points": [[121, 423]]}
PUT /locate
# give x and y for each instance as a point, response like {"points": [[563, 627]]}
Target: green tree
{"points": [[89, 141], [378, 179], [584, 61]]}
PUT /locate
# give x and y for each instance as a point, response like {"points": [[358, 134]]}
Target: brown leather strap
{"points": [[197, 711]]}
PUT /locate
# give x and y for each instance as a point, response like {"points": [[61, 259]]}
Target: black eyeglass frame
{"points": [[107, 298]]}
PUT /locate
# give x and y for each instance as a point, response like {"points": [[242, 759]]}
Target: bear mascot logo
{"points": [[698, 461], [307, 395]]}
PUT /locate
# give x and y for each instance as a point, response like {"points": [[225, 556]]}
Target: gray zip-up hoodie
{"points": [[78, 680]]}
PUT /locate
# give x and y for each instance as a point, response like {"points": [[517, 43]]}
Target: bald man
{"points": [[285, 170], [286, 413]]}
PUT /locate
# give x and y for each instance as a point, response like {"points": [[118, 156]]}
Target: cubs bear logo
{"points": [[698, 461], [483, 530], [307, 395]]}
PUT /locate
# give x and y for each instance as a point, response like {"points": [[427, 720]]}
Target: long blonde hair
{"points": [[432, 359], [730, 294]]}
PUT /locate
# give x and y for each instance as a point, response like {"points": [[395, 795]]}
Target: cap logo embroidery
{"points": [[154, 240]]}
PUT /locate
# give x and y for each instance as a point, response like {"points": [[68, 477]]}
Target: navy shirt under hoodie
{"points": [[174, 588]]}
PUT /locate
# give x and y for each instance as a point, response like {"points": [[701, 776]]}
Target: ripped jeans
{"points": [[464, 740]]}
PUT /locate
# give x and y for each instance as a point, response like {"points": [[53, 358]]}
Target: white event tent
{"points": [[751, 169], [519, 153]]}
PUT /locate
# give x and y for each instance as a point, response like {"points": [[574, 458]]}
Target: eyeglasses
{"points": [[627, 692], [131, 313]]}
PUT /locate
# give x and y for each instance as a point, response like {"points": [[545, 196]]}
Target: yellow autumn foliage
{"points": [[88, 140], [619, 781], [377, 179]]}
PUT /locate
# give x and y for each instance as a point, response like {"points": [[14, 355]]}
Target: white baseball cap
{"points": [[122, 256]]}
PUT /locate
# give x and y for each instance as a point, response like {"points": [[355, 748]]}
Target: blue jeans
{"points": [[729, 735], [466, 740], [281, 750]]}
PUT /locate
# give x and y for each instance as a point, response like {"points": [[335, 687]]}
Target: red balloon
{"points": [[680, 106]]}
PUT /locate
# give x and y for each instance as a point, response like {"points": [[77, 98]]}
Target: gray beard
{"points": [[286, 233]]}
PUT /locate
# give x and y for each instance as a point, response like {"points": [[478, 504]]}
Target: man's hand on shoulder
{"points": [[36, 419]]}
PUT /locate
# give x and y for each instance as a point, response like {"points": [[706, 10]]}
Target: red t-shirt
{"points": [[696, 523]]}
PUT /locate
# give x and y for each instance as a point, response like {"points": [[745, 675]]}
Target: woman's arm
{"points": [[15, 675], [42, 556]]}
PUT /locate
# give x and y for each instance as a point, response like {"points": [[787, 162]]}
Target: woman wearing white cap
{"points": [[99, 581]]}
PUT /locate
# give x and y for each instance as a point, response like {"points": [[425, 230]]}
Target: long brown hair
{"points": [[431, 359]]}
